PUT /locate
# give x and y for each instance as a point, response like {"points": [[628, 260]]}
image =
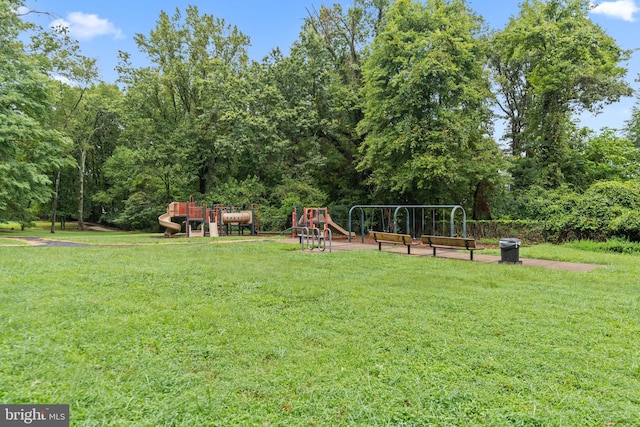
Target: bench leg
{"points": [[471, 250], [409, 249], [434, 251], [379, 246]]}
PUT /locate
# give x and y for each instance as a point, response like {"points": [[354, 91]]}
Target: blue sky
{"points": [[103, 27]]}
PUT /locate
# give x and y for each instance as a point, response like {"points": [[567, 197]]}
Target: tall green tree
{"points": [[86, 113], [600, 156], [632, 128], [148, 130], [30, 148], [338, 39], [95, 129], [183, 96], [427, 117], [550, 63], [264, 120]]}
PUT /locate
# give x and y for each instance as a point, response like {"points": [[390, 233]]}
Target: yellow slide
{"points": [[171, 227]]}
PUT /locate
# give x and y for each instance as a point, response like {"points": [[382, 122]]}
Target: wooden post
{"points": [[294, 220]]}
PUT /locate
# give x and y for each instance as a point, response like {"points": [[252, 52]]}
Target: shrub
{"points": [[140, 213], [606, 209]]}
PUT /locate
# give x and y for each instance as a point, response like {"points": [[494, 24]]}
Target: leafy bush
{"points": [[626, 224], [527, 230], [140, 213], [606, 209]]}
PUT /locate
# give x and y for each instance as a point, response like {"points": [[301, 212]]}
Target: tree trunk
{"points": [[81, 166], [55, 203], [481, 209]]}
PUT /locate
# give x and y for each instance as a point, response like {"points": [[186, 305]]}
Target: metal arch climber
{"points": [[406, 209]]}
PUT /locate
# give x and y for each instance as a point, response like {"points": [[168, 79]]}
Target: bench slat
{"points": [[393, 238], [461, 242], [450, 243]]}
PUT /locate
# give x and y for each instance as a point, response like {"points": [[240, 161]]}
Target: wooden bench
{"points": [[450, 243], [393, 238]]}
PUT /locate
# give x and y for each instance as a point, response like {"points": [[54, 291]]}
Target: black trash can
{"points": [[510, 250]]}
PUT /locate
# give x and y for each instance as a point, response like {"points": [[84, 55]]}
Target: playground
{"points": [[401, 230], [202, 219]]}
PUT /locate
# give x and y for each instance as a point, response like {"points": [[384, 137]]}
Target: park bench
{"points": [[450, 243], [393, 238]]}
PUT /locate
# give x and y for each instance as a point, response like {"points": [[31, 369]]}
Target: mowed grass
{"points": [[261, 333], [10, 233]]}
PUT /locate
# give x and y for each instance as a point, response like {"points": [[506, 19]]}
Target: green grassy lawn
{"points": [[11, 242], [263, 334], [42, 230]]}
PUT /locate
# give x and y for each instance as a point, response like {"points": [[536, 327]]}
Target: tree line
{"points": [[383, 103]]}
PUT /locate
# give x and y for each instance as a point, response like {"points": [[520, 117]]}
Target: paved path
{"points": [[423, 250]]}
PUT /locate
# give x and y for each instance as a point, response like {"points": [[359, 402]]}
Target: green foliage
{"points": [[529, 231], [287, 196], [90, 116], [550, 63], [140, 213], [135, 190], [182, 111], [606, 209], [29, 147], [633, 125], [383, 102], [234, 193], [337, 40], [616, 193], [606, 156], [426, 111], [295, 193]]}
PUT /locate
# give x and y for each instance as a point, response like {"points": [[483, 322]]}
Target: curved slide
{"points": [[171, 227]]}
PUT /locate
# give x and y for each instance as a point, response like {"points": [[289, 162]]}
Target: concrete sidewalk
{"points": [[425, 251]]}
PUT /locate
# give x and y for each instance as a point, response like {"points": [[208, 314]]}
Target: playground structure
{"points": [[199, 220], [414, 220], [315, 228], [317, 218]]}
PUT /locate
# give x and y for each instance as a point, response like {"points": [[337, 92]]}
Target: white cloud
{"points": [[22, 10], [85, 26], [621, 9]]}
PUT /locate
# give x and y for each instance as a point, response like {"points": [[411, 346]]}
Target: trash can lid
{"points": [[509, 243]]}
